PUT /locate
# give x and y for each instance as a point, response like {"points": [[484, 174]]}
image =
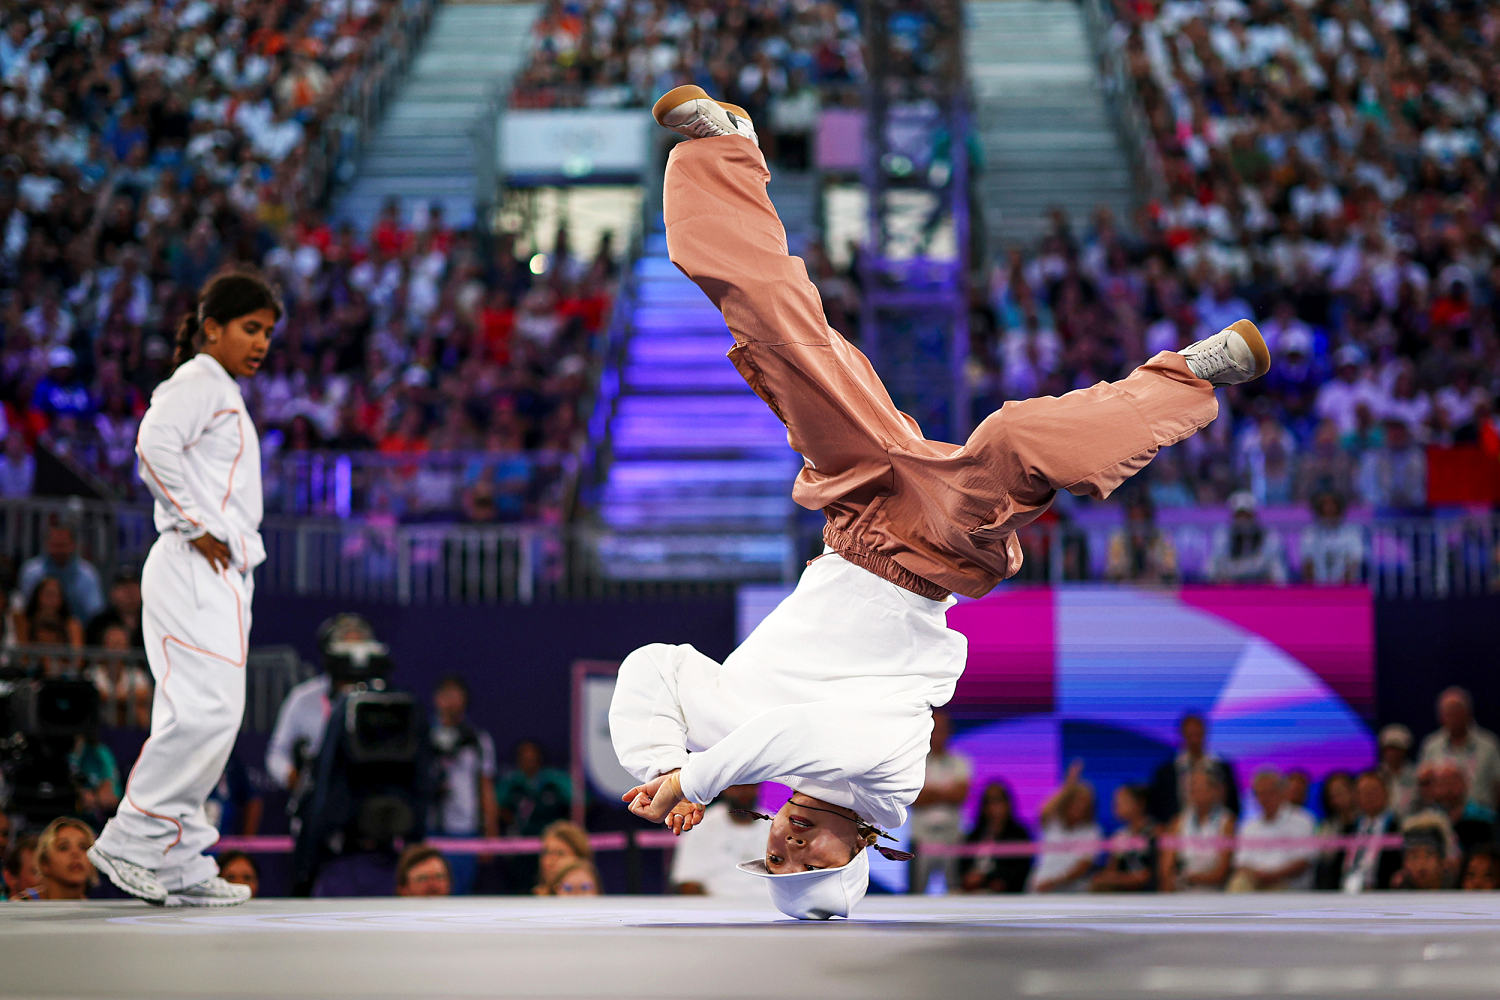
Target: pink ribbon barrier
{"points": [[660, 839]]}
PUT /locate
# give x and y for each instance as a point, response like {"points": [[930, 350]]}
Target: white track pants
{"points": [[197, 626]]}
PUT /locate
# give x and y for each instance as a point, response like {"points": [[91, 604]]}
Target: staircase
{"points": [[1041, 114], [699, 482], [424, 149]]}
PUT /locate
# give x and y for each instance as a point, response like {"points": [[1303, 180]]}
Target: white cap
{"points": [[819, 895]]}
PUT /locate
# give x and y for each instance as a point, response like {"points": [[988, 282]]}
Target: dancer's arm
{"points": [[172, 425], [646, 721], [821, 741]]}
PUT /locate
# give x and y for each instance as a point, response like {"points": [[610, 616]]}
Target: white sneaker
{"points": [[690, 111], [210, 892], [1235, 354], [128, 877]]}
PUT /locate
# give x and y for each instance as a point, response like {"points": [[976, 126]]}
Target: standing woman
{"points": [[200, 458]]}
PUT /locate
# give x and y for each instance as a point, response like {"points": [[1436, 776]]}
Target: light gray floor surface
{"points": [[1398, 946]]}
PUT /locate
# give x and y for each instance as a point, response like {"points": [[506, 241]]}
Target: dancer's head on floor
{"points": [[816, 863]]}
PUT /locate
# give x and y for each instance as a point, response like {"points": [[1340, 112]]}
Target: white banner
{"points": [[574, 144], [607, 778]]}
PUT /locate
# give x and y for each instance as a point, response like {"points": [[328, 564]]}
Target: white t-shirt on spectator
{"points": [[1339, 401], [458, 810], [709, 853], [1479, 758], [1290, 821], [940, 821], [1335, 553], [1056, 863]]}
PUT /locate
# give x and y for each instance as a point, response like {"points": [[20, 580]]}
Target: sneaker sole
{"points": [[1258, 348], [688, 92], [201, 903], [102, 863]]}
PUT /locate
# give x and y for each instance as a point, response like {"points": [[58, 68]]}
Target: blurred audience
{"points": [[63, 869], [996, 824], [1369, 866], [1425, 854], [1067, 818], [576, 878], [935, 817], [1169, 782], [1396, 768], [1259, 869], [20, 871], [563, 844], [1132, 863], [1475, 751], [1482, 869], [466, 805], [703, 864], [1200, 866], [422, 871]]}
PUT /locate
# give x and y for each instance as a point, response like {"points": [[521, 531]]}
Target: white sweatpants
{"points": [[197, 627]]}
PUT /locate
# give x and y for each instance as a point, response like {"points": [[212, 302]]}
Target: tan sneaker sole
{"points": [[1257, 343], [689, 92]]}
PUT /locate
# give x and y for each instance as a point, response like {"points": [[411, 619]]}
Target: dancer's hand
{"points": [[684, 816], [215, 551], [656, 798]]}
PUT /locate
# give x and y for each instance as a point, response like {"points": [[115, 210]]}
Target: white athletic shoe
{"points": [[1235, 354], [690, 111], [128, 877], [210, 892]]}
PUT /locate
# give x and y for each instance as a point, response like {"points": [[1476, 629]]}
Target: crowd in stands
{"points": [[1328, 169], [149, 145], [1186, 830]]}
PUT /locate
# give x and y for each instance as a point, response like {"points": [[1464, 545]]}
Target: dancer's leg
{"points": [[1091, 440], [724, 234]]}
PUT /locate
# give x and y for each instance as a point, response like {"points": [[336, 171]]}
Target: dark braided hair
{"points": [[227, 296]]}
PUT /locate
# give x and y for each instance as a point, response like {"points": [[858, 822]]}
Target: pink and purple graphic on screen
{"points": [[1283, 676]]}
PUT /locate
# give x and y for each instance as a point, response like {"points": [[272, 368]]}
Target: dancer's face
{"points": [[241, 344], [805, 839]]}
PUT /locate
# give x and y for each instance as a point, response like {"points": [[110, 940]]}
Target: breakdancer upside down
{"points": [[833, 693]]}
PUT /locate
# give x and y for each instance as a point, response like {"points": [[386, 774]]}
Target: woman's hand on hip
{"points": [[215, 551]]}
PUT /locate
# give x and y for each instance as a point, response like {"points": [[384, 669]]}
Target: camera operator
{"points": [[363, 781], [303, 716], [465, 757]]}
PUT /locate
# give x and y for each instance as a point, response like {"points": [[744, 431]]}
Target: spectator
{"points": [[1298, 786], [1396, 769], [1475, 750], [532, 795], [1394, 477], [1199, 867], [1472, 823], [1273, 868], [1424, 854], [563, 843], [17, 467], [996, 824], [422, 871], [466, 805], [1339, 812], [703, 864], [1169, 782], [21, 873], [577, 878], [1369, 866], [1067, 818], [1140, 552], [80, 581], [1131, 867], [124, 686], [5, 831], [1246, 552], [1332, 549], [935, 815], [96, 777], [63, 868], [239, 868], [1482, 870], [47, 620], [122, 608], [302, 718], [235, 805]]}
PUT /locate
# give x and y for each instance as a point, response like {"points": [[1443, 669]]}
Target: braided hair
{"points": [[227, 296]]}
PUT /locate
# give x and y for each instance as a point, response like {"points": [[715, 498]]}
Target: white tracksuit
{"points": [[200, 457], [832, 694]]}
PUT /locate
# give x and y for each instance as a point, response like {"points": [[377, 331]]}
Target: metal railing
{"points": [[1124, 102], [1416, 557], [123, 678]]}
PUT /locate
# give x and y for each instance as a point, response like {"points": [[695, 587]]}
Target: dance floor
{"points": [[1392, 946]]}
